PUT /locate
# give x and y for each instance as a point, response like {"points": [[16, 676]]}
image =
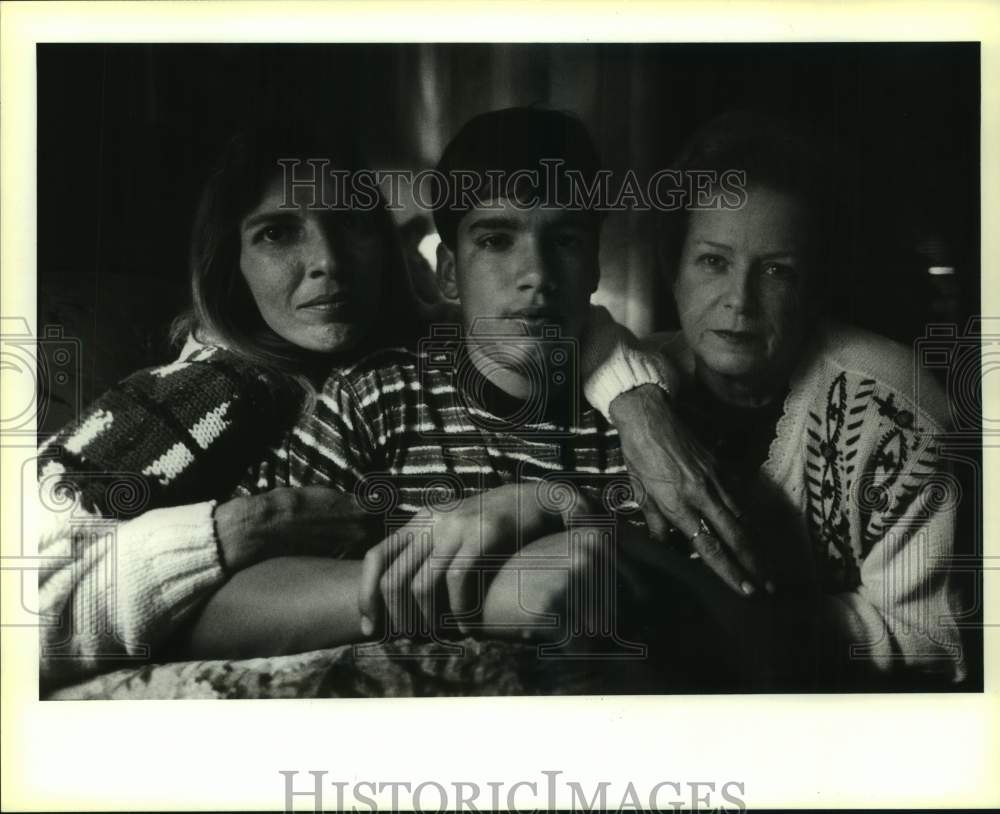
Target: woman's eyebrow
{"points": [[269, 217], [714, 244]]}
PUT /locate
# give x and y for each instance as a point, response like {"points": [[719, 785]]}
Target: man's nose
{"points": [[536, 271], [319, 254]]}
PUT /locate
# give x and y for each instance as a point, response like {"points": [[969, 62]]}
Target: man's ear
{"points": [[446, 272]]}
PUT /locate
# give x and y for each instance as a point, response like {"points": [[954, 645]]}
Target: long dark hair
{"points": [[223, 310]]}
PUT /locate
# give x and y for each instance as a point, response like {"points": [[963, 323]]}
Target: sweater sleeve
{"points": [[117, 589], [881, 502], [902, 615], [127, 520], [611, 362], [179, 433]]}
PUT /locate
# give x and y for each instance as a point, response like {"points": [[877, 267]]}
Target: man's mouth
{"points": [[539, 315]]}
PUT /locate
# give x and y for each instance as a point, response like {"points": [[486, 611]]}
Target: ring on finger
{"points": [[703, 528]]}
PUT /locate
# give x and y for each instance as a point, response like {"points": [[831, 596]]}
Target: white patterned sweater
{"points": [[870, 507], [121, 584]]}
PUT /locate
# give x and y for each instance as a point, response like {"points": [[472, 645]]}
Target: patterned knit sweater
{"points": [[168, 435], [854, 481], [127, 494]]}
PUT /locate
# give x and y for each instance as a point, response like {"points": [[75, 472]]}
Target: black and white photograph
{"points": [[457, 369], [508, 368]]}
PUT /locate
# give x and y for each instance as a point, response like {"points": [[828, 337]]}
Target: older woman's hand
{"points": [[682, 488]]}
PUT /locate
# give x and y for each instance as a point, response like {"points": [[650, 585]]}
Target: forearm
{"points": [[862, 640], [116, 590], [278, 606], [901, 618], [531, 596]]}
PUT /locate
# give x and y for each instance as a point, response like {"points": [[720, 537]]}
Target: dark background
{"points": [[127, 133]]}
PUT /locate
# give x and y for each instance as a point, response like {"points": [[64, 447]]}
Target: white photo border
{"points": [[789, 751]]}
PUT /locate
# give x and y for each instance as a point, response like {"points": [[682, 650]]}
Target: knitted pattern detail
{"points": [[169, 435]]}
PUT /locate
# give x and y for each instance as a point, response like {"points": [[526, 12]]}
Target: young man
{"points": [[447, 440]]}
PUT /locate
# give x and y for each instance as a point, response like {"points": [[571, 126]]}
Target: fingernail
{"points": [[747, 588], [367, 628], [769, 587]]}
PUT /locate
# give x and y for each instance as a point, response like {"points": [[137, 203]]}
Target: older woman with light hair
{"points": [[818, 428]]}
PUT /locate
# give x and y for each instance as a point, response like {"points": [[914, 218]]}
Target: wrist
{"points": [[232, 522], [630, 371], [636, 401]]}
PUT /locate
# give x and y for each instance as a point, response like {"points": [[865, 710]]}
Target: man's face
{"points": [[520, 272]]}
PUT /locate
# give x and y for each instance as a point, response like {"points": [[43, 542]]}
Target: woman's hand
{"points": [[441, 562], [313, 520], [682, 487]]}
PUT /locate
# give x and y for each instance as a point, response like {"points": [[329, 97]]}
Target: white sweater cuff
{"points": [[625, 369], [171, 560], [611, 362]]}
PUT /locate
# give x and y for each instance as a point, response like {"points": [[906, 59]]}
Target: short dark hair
{"points": [[503, 143], [774, 152]]}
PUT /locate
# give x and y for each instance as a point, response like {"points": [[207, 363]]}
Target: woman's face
{"points": [[740, 288], [315, 274]]}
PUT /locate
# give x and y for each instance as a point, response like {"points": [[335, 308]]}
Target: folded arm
{"points": [[116, 589], [901, 618], [122, 590]]}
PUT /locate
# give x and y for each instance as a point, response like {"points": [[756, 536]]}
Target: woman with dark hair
{"points": [[819, 429], [284, 287], [244, 220], [186, 466]]}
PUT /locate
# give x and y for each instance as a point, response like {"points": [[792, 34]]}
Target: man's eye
{"points": [[495, 242], [779, 271]]}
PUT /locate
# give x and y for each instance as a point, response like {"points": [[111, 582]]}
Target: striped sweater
{"points": [[407, 431]]}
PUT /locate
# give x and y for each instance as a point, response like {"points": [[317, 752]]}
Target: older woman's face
{"points": [[740, 287], [316, 275]]}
